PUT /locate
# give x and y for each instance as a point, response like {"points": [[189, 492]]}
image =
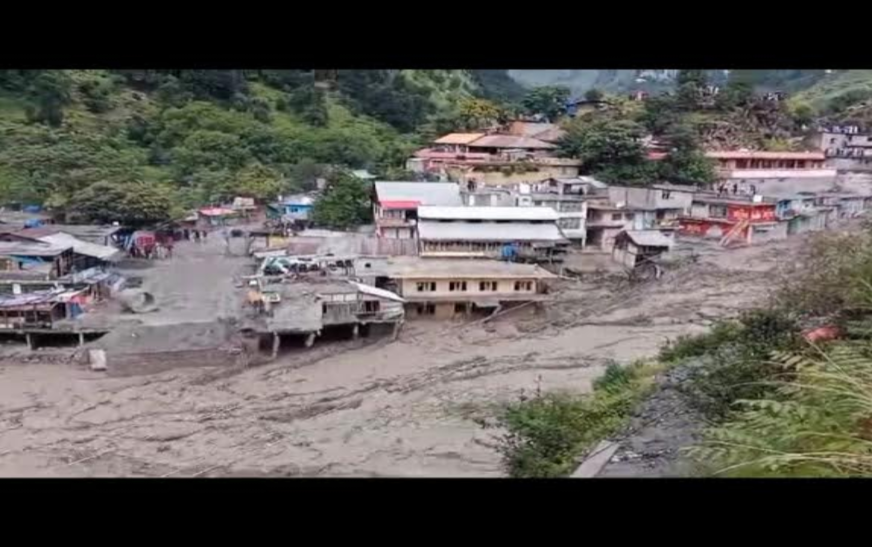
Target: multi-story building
{"points": [[395, 205], [733, 220], [742, 172], [448, 288], [846, 147], [484, 232]]}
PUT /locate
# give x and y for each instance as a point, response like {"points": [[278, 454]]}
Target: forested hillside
{"points": [[159, 141]]}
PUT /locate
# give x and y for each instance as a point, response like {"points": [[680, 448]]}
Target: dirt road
{"points": [[403, 408]]}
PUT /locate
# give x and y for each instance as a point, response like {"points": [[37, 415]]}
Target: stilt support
{"points": [[275, 346]]}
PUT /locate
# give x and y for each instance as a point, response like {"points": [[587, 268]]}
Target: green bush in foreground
{"points": [[546, 435], [817, 423]]}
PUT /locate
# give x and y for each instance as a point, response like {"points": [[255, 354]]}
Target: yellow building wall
{"points": [[505, 287]]}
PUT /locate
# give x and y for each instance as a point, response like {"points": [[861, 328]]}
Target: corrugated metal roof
{"points": [[487, 231], [100, 252], [488, 213], [86, 232], [510, 141], [648, 238], [458, 138], [426, 193], [31, 249]]}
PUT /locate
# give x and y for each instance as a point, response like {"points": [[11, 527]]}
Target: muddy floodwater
{"points": [[410, 407]]}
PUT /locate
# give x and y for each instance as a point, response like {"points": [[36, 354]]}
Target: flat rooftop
{"points": [[412, 267]]}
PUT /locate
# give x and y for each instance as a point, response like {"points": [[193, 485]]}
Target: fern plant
{"points": [[817, 423]]}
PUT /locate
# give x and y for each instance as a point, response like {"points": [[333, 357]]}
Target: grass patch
{"points": [[547, 435]]}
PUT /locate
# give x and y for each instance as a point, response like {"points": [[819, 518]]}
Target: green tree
{"points": [[133, 204], [345, 203], [686, 162], [547, 101], [609, 149], [51, 91], [477, 114], [690, 84], [594, 95], [257, 181]]}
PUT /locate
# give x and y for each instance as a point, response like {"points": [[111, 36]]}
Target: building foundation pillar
{"points": [[355, 331], [310, 339], [276, 342]]}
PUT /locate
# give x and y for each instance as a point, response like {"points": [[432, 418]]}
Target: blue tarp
{"points": [[32, 208], [33, 223]]}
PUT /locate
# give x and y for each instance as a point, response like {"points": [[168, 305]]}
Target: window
{"points": [[486, 286], [371, 306], [666, 194], [426, 286], [523, 285], [617, 216], [460, 307], [457, 286], [718, 211], [569, 223]]}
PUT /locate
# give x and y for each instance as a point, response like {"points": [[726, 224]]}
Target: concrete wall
{"points": [[783, 186], [762, 234], [506, 287], [498, 178]]}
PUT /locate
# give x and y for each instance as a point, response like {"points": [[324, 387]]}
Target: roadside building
{"points": [[395, 205], [34, 260], [484, 232], [308, 307], [657, 207], [753, 172], [90, 233], [604, 222], [296, 208], [733, 220], [216, 216], [449, 288], [640, 248]]}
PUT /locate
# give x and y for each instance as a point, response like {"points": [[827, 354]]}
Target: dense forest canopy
{"points": [[185, 138]]}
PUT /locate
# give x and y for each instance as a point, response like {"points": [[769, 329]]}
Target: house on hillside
{"points": [[395, 205], [744, 172], [484, 232], [493, 159], [449, 288]]}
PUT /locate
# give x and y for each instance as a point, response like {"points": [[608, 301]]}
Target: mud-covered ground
{"points": [[402, 408]]}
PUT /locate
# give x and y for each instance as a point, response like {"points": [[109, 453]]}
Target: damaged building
{"points": [[309, 308]]}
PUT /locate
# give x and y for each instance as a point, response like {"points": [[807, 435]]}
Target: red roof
{"points": [[398, 204], [657, 155]]}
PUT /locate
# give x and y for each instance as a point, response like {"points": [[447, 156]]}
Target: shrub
{"points": [[696, 345], [735, 364], [546, 435], [817, 424]]}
